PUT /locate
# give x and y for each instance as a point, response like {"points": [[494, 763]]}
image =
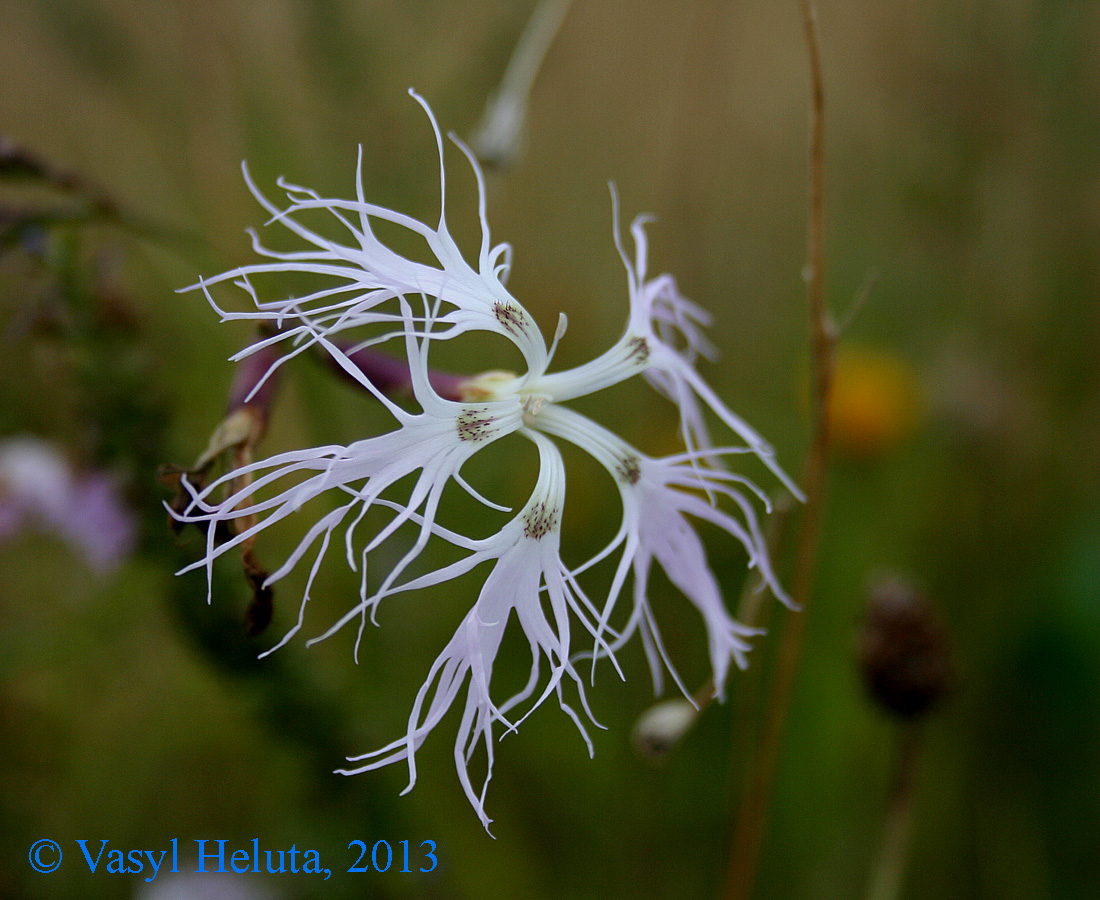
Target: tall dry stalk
{"points": [[752, 814]]}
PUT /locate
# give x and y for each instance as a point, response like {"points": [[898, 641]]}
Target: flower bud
{"points": [[662, 726]]}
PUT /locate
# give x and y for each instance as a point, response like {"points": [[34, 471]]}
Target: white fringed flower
{"points": [[527, 565], [656, 494], [368, 289]]}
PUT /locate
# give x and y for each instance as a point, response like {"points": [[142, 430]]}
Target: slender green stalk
{"points": [[886, 877]]}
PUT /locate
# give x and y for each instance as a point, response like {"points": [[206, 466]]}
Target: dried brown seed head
{"points": [[904, 650]]}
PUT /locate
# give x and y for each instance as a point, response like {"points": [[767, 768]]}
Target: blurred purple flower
{"points": [[206, 885], [40, 489]]}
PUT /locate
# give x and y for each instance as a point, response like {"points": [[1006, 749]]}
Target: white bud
{"points": [[662, 726]]}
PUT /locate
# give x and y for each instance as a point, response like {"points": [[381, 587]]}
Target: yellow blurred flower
{"points": [[875, 402]]}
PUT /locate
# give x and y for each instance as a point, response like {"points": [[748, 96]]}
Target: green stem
{"points": [[886, 877]]}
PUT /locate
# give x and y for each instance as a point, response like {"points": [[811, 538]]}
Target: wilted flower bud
{"points": [[904, 652], [661, 727], [250, 399]]}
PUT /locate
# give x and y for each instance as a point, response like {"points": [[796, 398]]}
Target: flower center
{"points": [[492, 385], [531, 407]]}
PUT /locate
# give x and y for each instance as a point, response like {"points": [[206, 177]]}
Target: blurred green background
{"points": [[963, 169]]}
